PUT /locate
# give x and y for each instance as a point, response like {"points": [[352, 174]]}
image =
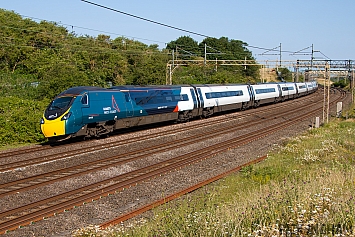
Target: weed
{"points": [[304, 189]]}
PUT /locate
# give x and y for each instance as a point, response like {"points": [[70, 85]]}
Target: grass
{"points": [[305, 188]]}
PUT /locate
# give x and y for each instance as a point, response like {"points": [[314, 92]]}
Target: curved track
{"points": [[32, 182], [11, 165], [35, 211]]}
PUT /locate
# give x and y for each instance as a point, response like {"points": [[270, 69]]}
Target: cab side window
{"points": [[85, 99]]}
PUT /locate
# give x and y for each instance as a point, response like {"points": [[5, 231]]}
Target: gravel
{"points": [[107, 208]]}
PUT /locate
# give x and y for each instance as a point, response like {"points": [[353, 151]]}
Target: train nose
{"points": [[52, 128]]}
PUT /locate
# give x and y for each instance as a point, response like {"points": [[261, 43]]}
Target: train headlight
{"points": [[41, 121], [66, 116]]}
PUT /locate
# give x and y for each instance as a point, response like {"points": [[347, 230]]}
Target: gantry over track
{"points": [[311, 69], [297, 66]]}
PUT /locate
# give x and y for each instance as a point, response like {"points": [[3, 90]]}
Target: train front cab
{"points": [[55, 117], [63, 117]]}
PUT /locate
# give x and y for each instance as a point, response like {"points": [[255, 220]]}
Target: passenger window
{"points": [[84, 99], [184, 97], [160, 99], [139, 101]]}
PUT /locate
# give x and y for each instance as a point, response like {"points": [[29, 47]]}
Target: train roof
{"points": [[222, 84], [78, 90], [148, 87]]}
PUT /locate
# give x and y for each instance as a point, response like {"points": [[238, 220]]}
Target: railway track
{"points": [[173, 196], [11, 165], [94, 191], [63, 145], [32, 182]]}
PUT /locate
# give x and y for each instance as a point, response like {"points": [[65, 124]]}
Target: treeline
{"points": [[53, 58], [40, 60]]}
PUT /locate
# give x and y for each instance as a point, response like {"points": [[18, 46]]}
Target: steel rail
{"points": [[173, 196], [38, 160], [22, 151], [70, 172], [152, 174], [130, 179]]}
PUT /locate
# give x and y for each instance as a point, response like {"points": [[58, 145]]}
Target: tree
{"points": [[184, 47], [223, 48], [284, 74], [146, 69], [219, 49], [51, 55]]}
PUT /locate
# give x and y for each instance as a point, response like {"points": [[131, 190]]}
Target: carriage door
{"points": [[251, 96], [194, 98], [201, 98], [129, 105], [297, 93], [85, 108], [280, 92]]}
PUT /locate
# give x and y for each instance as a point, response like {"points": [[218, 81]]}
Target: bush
{"points": [[19, 85], [340, 84], [20, 120]]}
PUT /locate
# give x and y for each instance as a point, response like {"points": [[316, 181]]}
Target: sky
{"points": [[296, 25]]}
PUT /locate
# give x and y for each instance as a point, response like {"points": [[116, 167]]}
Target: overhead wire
{"points": [[141, 18], [124, 44], [84, 48], [145, 19], [97, 48], [100, 31], [324, 55], [173, 27]]}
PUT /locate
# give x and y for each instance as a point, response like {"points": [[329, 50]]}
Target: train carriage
{"points": [[288, 90], [218, 98], [176, 102], [310, 88], [266, 93], [302, 88], [314, 85]]}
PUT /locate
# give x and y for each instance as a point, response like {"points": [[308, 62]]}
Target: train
{"points": [[88, 111]]}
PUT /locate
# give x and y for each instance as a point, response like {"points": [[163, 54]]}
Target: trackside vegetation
{"points": [[304, 188]]}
